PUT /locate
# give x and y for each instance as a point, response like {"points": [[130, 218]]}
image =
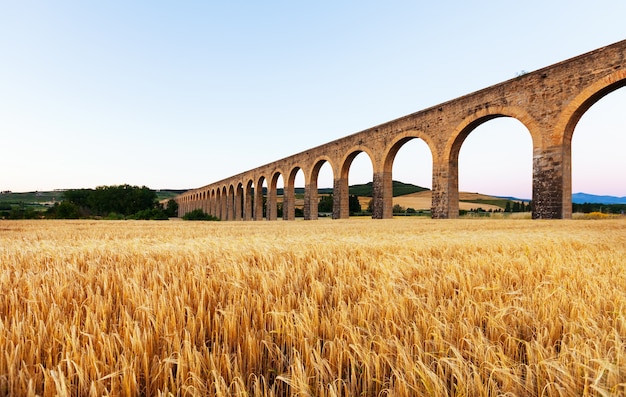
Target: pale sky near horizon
{"points": [[181, 94]]}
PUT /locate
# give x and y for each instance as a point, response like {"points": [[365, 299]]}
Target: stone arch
{"points": [[239, 197], [248, 200], [389, 156], [399, 140], [341, 197], [230, 203], [318, 163], [571, 114], [218, 203], [462, 131], [223, 204], [569, 118], [211, 210], [346, 161], [271, 209], [289, 195], [445, 168], [311, 195], [258, 198]]}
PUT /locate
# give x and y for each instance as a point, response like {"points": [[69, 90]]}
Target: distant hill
{"points": [[365, 190], [511, 198], [467, 201], [166, 194], [582, 198], [399, 189], [42, 200]]}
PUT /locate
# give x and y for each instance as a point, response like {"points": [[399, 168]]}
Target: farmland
{"points": [[403, 307]]}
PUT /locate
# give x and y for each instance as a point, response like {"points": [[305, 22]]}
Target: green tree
{"points": [[171, 209], [125, 200], [199, 215], [325, 204], [354, 205], [66, 210], [78, 197], [398, 209]]}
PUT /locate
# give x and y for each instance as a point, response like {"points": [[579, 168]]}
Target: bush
{"points": [[66, 210], [154, 214], [199, 215], [114, 216], [171, 209]]}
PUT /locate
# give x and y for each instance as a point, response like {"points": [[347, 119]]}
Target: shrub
{"points": [[155, 214], [199, 215]]}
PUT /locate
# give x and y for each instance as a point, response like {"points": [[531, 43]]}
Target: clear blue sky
{"points": [[182, 94]]}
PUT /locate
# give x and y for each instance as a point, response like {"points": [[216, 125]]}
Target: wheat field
{"points": [[401, 307]]}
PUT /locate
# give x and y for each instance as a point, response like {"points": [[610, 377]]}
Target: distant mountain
{"points": [[511, 198], [581, 198]]}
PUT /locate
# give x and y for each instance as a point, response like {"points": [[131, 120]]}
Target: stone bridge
{"points": [[549, 102]]}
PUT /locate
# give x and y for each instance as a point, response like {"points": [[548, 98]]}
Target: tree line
{"points": [[108, 202], [587, 208], [115, 202], [134, 202]]}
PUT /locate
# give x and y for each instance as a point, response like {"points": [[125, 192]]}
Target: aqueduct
{"points": [[549, 102]]}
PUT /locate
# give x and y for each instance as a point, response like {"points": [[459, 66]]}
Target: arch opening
{"points": [[275, 197], [318, 200], [293, 197], [239, 202], [597, 152], [248, 201], [230, 203], [218, 204], [357, 188], [495, 167], [213, 203], [260, 189], [412, 180]]}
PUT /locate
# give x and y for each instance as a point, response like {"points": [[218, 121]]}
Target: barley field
{"points": [[402, 307]]}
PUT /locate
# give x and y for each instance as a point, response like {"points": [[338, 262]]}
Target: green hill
{"points": [[42, 200], [34, 200], [365, 190], [399, 189]]}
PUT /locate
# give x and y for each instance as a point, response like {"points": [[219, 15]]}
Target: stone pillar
{"points": [[238, 204], [258, 203], [445, 193], [552, 197], [341, 203], [229, 206], [310, 201], [289, 202], [225, 206], [270, 211], [382, 196], [247, 204]]}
